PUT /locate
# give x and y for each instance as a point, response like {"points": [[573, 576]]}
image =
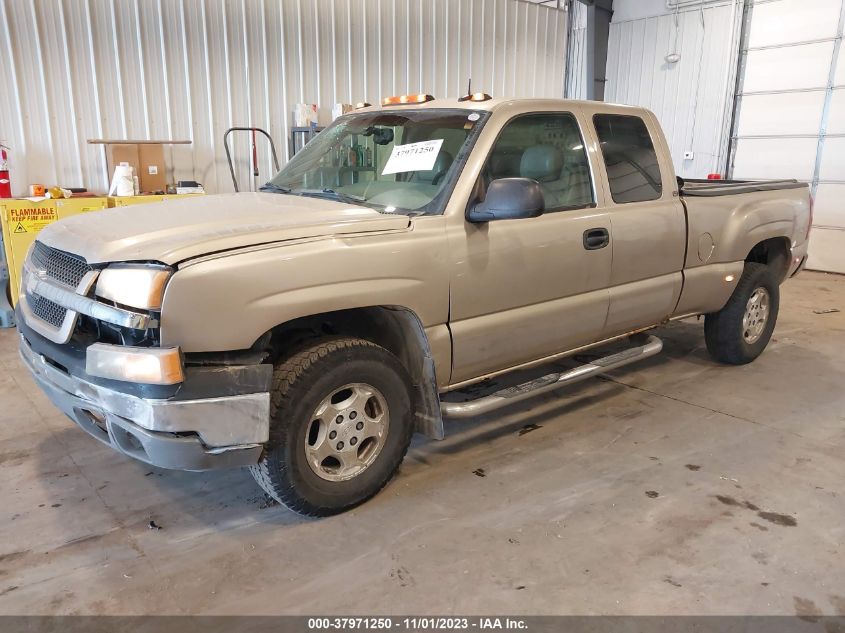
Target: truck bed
{"points": [[713, 188]]}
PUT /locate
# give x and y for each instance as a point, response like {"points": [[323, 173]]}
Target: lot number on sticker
{"points": [[413, 157]]}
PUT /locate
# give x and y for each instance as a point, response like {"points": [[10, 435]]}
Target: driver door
{"points": [[526, 289]]}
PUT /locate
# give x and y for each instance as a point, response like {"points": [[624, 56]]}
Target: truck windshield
{"points": [[393, 162]]}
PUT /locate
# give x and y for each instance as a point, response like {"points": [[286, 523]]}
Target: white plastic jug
{"points": [[123, 181]]}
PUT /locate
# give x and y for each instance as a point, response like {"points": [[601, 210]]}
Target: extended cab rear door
{"points": [[648, 226]]}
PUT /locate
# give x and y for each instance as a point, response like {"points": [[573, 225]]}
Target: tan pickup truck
{"points": [[308, 330]]}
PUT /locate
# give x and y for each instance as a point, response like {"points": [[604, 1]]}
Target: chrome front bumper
{"points": [[202, 434]]}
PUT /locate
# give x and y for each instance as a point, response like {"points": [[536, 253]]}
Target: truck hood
{"points": [[179, 229]]}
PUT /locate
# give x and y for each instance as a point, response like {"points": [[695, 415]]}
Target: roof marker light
{"points": [[407, 99], [476, 96], [363, 104]]}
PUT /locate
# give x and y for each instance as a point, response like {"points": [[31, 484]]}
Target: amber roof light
{"points": [[476, 96], [407, 99]]}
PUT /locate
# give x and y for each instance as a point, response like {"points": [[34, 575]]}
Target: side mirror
{"points": [[509, 199]]}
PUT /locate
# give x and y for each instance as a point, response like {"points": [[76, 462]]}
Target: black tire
{"points": [[300, 384], [724, 330]]}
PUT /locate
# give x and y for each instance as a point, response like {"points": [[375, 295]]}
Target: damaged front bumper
{"points": [[195, 434]]}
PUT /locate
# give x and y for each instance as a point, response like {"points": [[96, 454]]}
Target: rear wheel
{"points": [[739, 332], [340, 425]]}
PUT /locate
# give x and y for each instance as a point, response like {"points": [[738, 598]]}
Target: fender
{"points": [[226, 303]]}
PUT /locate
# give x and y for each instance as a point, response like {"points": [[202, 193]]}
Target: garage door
{"points": [[790, 116]]}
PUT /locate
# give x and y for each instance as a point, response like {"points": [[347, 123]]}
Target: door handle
{"points": [[595, 239]]}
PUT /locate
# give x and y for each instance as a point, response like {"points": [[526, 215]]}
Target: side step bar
{"points": [[510, 395]]}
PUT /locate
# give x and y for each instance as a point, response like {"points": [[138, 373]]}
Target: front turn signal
{"points": [[145, 365]]}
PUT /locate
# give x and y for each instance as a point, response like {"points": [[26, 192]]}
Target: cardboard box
{"points": [[146, 159], [153, 172]]}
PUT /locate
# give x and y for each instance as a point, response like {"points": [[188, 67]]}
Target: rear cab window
{"points": [[633, 171]]}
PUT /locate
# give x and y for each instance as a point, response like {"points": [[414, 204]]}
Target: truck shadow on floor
{"points": [[519, 418], [681, 340], [136, 493], [227, 499]]}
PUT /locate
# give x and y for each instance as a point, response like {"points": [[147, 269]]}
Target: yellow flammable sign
{"points": [[22, 221], [31, 220]]}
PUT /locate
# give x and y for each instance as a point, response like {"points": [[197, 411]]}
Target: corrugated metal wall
{"points": [[693, 97], [577, 80], [189, 69]]}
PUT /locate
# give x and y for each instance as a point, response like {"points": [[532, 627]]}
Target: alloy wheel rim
{"points": [[756, 315], [347, 432]]}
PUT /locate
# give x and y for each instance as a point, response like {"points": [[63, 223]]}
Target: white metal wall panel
{"points": [[839, 74], [691, 98], [577, 79], [768, 158], [790, 21], [826, 249], [791, 111], [763, 114], [829, 205], [26, 123], [833, 167], [836, 117], [189, 69], [788, 68]]}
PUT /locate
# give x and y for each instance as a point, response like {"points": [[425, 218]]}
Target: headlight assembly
{"points": [[136, 286]]}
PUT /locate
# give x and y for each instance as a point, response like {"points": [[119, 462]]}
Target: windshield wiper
{"points": [[332, 195], [271, 188]]}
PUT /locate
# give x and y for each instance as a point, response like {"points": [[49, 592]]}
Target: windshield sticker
{"points": [[474, 116], [413, 157]]}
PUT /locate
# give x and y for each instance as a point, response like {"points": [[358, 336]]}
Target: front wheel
{"points": [[739, 332], [340, 425]]}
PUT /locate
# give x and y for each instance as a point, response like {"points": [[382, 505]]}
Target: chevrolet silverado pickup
{"points": [[308, 330]]}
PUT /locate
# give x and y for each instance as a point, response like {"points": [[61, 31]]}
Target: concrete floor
{"points": [[674, 487]]}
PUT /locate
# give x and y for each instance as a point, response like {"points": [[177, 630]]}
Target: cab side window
{"points": [[632, 168], [549, 149]]}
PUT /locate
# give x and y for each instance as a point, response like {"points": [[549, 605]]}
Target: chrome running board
{"points": [[510, 395]]}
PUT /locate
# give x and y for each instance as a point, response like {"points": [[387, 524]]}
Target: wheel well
{"points": [[395, 328], [774, 253]]}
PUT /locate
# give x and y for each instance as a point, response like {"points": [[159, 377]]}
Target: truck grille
{"points": [[60, 266], [46, 310]]}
